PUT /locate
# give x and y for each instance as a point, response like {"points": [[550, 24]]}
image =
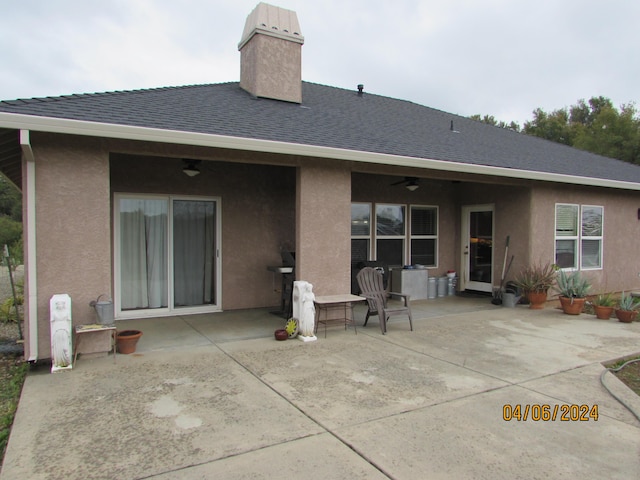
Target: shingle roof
{"points": [[329, 117]]}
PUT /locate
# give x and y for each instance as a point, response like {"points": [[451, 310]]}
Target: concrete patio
{"points": [[215, 396]]}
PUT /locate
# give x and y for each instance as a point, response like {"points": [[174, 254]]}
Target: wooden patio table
{"points": [[328, 302]]}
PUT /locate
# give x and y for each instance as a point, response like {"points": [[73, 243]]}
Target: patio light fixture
{"points": [[412, 185], [191, 168]]}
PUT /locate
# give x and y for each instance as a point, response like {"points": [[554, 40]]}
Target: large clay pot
{"points": [[572, 306], [626, 316], [537, 300], [126, 340], [603, 313]]}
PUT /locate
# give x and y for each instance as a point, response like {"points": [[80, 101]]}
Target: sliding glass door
{"points": [[194, 242], [167, 255]]}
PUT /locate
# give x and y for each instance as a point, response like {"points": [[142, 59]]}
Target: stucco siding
{"points": [[73, 233], [621, 249], [323, 227], [512, 218], [258, 205]]}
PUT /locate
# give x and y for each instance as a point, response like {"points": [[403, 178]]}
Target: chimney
{"points": [[271, 54]]}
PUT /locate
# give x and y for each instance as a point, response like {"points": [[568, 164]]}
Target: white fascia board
{"points": [[127, 132]]}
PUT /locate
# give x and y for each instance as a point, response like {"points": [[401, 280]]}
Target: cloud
{"points": [[495, 57]]}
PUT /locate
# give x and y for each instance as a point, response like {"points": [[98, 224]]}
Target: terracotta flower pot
{"points": [[602, 312], [572, 306], [626, 316], [537, 300], [126, 340], [281, 334]]}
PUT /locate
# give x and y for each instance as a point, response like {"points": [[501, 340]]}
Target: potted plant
{"points": [[627, 309], [535, 281], [573, 289], [603, 306], [127, 340]]}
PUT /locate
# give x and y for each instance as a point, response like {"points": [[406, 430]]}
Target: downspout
{"points": [[32, 284]]}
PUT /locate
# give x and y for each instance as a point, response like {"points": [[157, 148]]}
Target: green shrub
{"points": [[10, 231], [8, 309]]}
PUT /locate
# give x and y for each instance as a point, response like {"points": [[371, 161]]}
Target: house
{"points": [[177, 200]]}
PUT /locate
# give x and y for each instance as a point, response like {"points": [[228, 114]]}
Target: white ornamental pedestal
{"points": [[304, 310], [61, 346]]}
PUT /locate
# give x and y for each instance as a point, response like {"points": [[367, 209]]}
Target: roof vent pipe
{"points": [[360, 89]]}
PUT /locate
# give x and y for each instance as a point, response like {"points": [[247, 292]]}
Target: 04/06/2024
{"points": [[550, 413]]}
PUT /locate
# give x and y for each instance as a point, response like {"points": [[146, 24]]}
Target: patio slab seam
{"points": [[317, 422]]}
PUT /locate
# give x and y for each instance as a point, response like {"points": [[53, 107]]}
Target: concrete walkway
{"points": [[408, 405]]}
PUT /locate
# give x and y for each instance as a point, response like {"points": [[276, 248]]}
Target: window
{"points": [[591, 237], [424, 236], [360, 232], [579, 232], [390, 234], [398, 239]]}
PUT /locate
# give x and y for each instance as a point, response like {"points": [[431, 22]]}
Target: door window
{"points": [[478, 247]]}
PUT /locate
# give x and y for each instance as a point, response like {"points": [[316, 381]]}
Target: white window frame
{"points": [[599, 238], [579, 237], [425, 237]]}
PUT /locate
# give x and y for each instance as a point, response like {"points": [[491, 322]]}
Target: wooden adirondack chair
{"points": [[371, 287]]}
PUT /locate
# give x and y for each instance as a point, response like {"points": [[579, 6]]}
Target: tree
{"points": [[584, 114], [491, 120], [611, 133], [10, 219], [594, 125], [10, 200], [554, 126]]}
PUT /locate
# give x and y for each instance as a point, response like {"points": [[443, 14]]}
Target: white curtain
{"points": [[143, 257]]}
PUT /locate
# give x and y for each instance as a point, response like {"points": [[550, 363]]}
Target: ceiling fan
{"points": [[411, 183]]}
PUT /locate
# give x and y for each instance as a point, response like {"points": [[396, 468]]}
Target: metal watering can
{"points": [[510, 299], [104, 309]]}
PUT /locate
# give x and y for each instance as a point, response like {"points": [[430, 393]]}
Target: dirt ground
{"points": [[630, 375]]}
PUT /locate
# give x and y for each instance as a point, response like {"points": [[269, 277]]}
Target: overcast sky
{"points": [[498, 57]]}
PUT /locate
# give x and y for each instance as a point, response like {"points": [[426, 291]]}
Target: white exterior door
{"points": [[477, 248]]}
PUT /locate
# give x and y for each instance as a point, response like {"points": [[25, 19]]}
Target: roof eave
{"points": [[156, 135]]}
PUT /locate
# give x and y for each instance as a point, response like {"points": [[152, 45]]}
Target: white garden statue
{"points": [[61, 348], [304, 310]]}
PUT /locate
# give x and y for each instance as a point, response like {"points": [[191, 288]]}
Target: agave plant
{"points": [[628, 303], [572, 285], [536, 278], [604, 300]]}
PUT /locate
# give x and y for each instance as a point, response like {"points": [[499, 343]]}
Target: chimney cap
{"points": [[273, 21]]}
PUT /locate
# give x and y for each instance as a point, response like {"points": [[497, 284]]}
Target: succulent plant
{"points": [[628, 303], [572, 285]]}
